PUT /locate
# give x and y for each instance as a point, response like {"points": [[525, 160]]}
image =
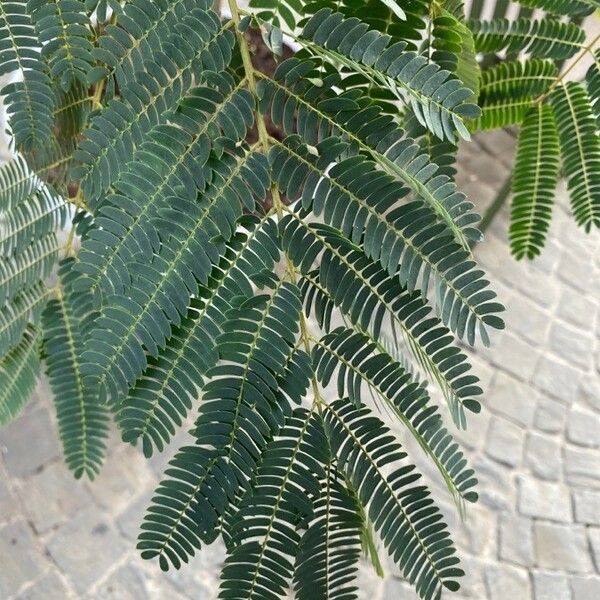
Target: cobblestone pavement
{"points": [[534, 534]]}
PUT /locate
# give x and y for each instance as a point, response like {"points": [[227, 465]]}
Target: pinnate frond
{"points": [[534, 182]]}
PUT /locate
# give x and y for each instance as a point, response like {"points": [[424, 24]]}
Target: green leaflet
{"points": [[18, 375], [82, 420], [579, 150], [534, 182]]}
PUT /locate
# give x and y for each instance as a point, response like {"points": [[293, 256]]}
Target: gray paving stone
{"points": [[585, 588], [561, 547], [504, 581], [513, 399], [589, 391], [543, 456], [582, 467], [594, 537], [495, 485], [29, 442], [587, 506], [583, 427], [550, 415], [556, 378], [20, 561], [516, 540], [548, 585], [575, 307], [521, 310], [9, 507], [544, 500], [572, 344], [124, 474], [505, 442], [86, 547], [51, 496], [49, 587], [523, 356]]}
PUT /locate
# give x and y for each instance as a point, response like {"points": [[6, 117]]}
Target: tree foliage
{"points": [[183, 232]]}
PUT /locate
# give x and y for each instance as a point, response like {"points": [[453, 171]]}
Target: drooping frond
{"points": [[329, 549], [534, 182], [359, 361], [368, 295], [15, 316], [401, 510], [516, 79], [82, 420], [29, 102], [264, 535], [163, 396], [143, 27], [18, 375], [545, 38], [17, 183], [503, 113], [438, 99], [579, 150], [592, 79], [128, 217], [404, 239], [300, 101], [63, 30], [571, 8], [160, 291], [200, 42]]}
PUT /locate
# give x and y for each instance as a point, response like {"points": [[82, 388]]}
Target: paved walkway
{"points": [[534, 534]]}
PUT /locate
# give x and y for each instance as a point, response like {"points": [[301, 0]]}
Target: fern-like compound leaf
{"points": [[579, 150], [82, 420], [30, 101], [18, 375], [534, 182], [401, 510], [438, 100], [545, 38]]}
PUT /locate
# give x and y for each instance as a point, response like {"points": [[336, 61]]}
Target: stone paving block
{"points": [[512, 398], [561, 547], [575, 307], [575, 271], [504, 581], [594, 537], [582, 467], [49, 587], [123, 475], [494, 482], [589, 391], [527, 318], [538, 286], [9, 507], [583, 427], [587, 506], [51, 496], [86, 547], [548, 585], [571, 344], [516, 540], [550, 415], [521, 357], [558, 379], [20, 560], [29, 442], [130, 519], [505, 442], [543, 456], [544, 500], [585, 588]]}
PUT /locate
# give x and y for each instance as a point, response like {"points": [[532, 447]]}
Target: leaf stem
{"points": [[264, 140]]}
